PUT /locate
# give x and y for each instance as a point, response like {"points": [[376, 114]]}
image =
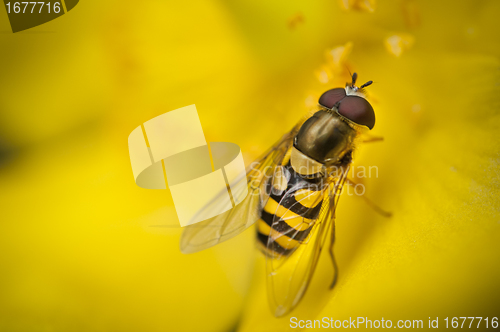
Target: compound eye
{"points": [[331, 97], [358, 110]]}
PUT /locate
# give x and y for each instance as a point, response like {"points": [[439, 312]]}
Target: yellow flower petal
{"points": [[360, 5], [80, 243]]}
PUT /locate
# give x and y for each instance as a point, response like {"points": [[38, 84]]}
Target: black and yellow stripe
{"points": [[289, 220]]}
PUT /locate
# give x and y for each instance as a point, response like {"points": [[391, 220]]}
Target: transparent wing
{"points": [[220, 228], [288, 277]]}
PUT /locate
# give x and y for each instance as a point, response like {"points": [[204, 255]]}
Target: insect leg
{"points": [[334, 263], [374, 206], [371, 139]]}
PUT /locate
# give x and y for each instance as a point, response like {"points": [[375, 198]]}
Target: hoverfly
{"points": [[293, 192]]}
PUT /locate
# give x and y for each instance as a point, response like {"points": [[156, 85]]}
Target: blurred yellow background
{"points": [[82, 248]]}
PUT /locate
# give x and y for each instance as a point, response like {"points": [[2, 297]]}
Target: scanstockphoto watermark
{"points": [[365, 322], [275, 179], [355, 323]]}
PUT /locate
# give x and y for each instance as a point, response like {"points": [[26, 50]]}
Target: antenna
{"points": [[366, 84]]}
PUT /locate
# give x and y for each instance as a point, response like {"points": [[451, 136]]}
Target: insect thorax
{"points": [[324, 140]]}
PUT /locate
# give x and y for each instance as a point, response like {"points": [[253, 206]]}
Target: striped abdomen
{"points": [[289, 215]]}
